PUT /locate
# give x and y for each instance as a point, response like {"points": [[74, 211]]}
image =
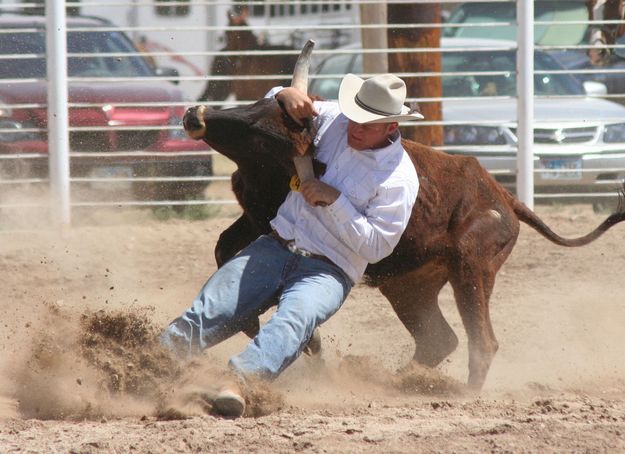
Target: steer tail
{"points": [[530, 218]]}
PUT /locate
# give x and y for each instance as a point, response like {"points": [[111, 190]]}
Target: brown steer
{"points": [[464, 225]]}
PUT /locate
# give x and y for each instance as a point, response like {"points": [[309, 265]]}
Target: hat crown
{"points": [[383, 94], [379, 99]]}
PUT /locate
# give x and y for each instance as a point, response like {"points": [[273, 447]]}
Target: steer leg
{"points": [[481, 250], [472, 289], [414, 297], [236, 237]]}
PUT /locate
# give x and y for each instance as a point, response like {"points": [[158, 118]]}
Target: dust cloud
{"points": [[24, 207], [106, 364]]}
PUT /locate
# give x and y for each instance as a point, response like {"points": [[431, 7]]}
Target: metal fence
{"points": [[125, 144]]}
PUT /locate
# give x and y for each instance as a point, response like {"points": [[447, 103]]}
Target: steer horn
{"points": [[300, 73], [303, 164]]}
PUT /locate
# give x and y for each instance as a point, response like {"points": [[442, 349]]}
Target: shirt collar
{"points": [[382, 154]]}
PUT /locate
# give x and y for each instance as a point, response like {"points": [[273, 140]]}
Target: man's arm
{"points": [[375, 233], [297, 104]]}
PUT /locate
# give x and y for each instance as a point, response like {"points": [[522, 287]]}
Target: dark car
{"points": [[125, 122], [559, 24]]}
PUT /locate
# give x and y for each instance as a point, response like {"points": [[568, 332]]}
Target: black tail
{"points": [[530, 218]]}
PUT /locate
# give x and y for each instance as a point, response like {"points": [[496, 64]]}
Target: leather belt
{"points": [[292, 247]]}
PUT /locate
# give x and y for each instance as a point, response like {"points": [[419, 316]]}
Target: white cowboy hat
{"points": [[379, 99]]}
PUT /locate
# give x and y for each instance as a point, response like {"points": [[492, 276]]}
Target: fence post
{"points": [[525, 102], [374, 13], [58, 118]]}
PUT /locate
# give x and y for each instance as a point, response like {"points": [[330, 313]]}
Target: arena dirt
{"points": [[80, 370]]}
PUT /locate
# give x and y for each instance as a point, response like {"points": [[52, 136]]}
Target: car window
{"points": [[464, 85], [87, 43], [23, 44], [101, 65], [620, 51], [501, 84], [544, 11], [335, 64]]}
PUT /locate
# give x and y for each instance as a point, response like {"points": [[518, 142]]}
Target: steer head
{"points": [[254, 133]]}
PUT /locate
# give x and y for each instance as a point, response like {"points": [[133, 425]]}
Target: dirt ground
{"points": [[80, 372]]}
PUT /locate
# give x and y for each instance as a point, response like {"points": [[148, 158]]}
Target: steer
{"points": [[463, 228]]}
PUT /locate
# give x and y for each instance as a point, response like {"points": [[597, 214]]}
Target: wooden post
{"points": [[374, 38], [418, 87]]}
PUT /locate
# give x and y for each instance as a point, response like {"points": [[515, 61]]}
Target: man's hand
{"points": [[297, 104], [317, 193]]}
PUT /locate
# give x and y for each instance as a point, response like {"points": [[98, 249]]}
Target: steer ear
{"points": [[303, 139], [303, 162]]}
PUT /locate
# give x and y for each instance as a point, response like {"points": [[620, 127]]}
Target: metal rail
{"points": [[182, 30]]}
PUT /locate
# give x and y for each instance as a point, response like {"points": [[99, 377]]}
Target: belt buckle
{"points": [[295, 250]]}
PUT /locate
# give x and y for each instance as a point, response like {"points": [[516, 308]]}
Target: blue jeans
{"points": [[307, 291]]}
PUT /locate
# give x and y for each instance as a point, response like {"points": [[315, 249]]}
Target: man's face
{"points": [[369, 135]]}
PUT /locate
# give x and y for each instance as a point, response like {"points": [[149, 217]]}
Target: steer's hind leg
{"points": [[472, 289], [414, 297], [472, 276]]}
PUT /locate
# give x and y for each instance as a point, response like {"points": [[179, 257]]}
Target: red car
{"points": [[123, 123]]}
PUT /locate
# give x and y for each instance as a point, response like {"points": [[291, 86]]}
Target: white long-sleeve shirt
{"points": [[378, 190]]}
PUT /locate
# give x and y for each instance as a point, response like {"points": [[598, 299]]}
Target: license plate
{"points": [[111, 172], [561, 168]]}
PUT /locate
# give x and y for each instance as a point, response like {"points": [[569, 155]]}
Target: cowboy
{"points": [[324, 235]]}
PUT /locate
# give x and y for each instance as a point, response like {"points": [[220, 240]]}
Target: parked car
{"points": [[464, 22], [579, 141], [109, 111]]}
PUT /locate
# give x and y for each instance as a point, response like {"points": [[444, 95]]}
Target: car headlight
{"points": [[474, 135], [15, 131], [614, 133], [5, 110]]}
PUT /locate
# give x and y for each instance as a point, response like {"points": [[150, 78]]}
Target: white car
{"points": [[579, 140]]}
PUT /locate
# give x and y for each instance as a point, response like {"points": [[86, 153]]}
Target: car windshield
{"points": [[336, 64], [503, 84], [92, 63], [471, 14]]}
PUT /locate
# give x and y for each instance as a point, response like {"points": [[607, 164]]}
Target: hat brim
{"points": [[347, 103]]}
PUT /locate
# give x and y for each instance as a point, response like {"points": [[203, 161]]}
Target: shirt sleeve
{"points": [[374, 234], [274, 91], [328, 111]]}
